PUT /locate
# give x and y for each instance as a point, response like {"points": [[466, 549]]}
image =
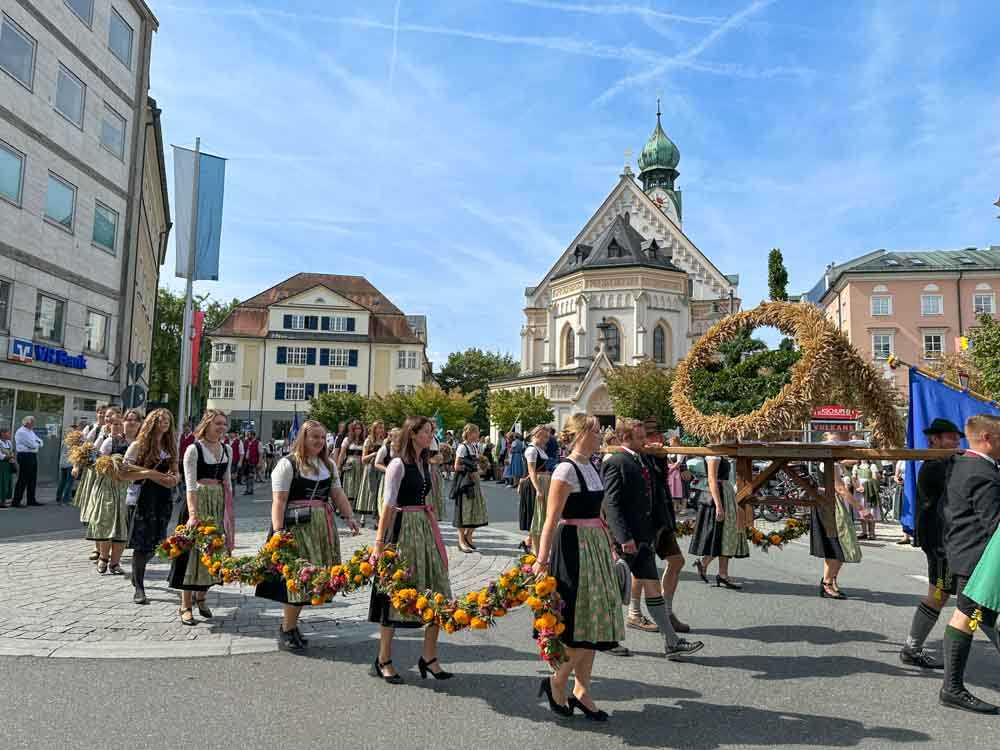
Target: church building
{"points": [[631, 286]]}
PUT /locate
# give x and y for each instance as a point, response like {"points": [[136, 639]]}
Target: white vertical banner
{"points": [[205, 237]]}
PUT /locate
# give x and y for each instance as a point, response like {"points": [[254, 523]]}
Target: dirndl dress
{"points": [[371, 480], [585, 578], [351, 475], [868, 495], [525, 504], [720, 538], [470, 504], [309, 519], [151, 517], [843, 545], [541, 497], [81, 498], [108, 516], [417, 539], [186, 570], [437, 489]]}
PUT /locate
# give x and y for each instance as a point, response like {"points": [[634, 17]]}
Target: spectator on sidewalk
{"points": [[8, 462], [64, 493], [251, 460], [27, 443]]}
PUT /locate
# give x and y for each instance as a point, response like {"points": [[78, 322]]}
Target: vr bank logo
{"points": [[26, 352]]}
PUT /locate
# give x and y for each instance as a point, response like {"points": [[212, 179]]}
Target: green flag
{"points": [[439, 423]]}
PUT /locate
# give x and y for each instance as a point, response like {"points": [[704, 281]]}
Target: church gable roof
{"points": [[620, 245]]}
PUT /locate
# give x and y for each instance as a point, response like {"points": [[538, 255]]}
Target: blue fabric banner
{"points": [[931, 399], [208, 233]]}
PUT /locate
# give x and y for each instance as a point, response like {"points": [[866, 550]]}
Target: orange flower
{"points": [[397, 576], [499, 612], [535, 603], [358, 580], [421, 602], [389, 554], [366, 569], [449, 627], [775, 539], [315, 600], [560, 628], [548, 621], [428, 615], [461, 617], [479, 624]]}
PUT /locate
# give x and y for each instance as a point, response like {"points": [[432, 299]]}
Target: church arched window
{"points": [[569, 346], [613, 343], [659, 345]]}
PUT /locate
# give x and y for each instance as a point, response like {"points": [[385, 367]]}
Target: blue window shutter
{"points": [[350, 324], [288, 321], [312, 322], [324, 356], [324, 388], [352, 358], [325, 322], [279, 391], [311, 355], [282, 355], [310, 390], [352, 388]]}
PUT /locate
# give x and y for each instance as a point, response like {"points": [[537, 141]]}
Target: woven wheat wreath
{"points": [[830, 371]]}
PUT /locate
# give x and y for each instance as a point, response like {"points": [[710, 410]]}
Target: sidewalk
{"points": [[55, 604]]}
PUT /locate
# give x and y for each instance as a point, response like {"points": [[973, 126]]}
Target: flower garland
{"points": [[793, 529], [684, 528], [477, 610]]}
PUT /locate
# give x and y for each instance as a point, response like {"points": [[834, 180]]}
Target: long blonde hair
{"points": [[206, 420], [576, 426], [149, 451], [298, 452]]}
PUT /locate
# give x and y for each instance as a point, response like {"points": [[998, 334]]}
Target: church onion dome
{"points": [[659, 151]]}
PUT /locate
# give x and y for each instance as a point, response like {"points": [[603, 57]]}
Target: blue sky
{"points": [[450, 151]]}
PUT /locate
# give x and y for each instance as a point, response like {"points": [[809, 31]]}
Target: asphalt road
{"points": [[781, 667]]}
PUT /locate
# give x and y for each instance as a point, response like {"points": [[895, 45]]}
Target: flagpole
{"points": [[895, 362], [187, 337]]}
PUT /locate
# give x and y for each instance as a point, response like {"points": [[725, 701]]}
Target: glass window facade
{"points": [[60, 202], [120, 39], [17, 52], [49, 318], [113, 132], [11, 173], [105, 227], [70, 96]]}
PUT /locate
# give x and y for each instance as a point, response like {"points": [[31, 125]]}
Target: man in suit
{"points": [[928, 532], [635, 513], [971, 514]]}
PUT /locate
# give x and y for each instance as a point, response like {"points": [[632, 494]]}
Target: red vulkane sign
{"points": [[836, 412]]}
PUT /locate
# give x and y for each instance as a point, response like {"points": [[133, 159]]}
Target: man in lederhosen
{"points": [[972, 513], [928, 534]]}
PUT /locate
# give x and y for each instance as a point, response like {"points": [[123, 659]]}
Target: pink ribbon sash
{"points": [[314, 503], [434, 527], [228, 514]]}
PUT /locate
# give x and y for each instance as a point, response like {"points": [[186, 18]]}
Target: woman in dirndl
{"points": [[151, 465], [831, 532], [576, 548], [467, 492], [385, 454], [209, 495], [518, 467], [718, 531], [95, 435], [409, 524], [107, 523], [435, 459], [304, 489], [538, 479], [349, 462], [866, 477], [371, 480]]}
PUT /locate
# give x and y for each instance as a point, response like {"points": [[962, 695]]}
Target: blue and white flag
{"points": [[932, 399], [293, 431], [208, 233]]}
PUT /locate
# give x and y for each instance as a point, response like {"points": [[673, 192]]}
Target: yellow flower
{"points": [[529, 559], [292, 586], [499, 612], [461, 617], [775, 539], [535, 603], [504, 582], [523, 596], [484, 598], [560, 628], [472, 597], [389, 554], [359, 580], [336, 570], [275, 558], [449, 627], [366, 569], [545, 622], [479, 624], [511, 573], [791, 523], [315, 600], [428, 614], [421, 603], [397, 576], [439, 598], [210, 529]]}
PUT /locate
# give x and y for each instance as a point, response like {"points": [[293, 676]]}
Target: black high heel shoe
{"points": [[827, 591], [425, 669], [546, 689], [598, 715], [725, 583], [701, 570], [376, 671], [523, 546]]}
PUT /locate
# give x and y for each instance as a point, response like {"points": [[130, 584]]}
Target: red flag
{"points": [[199, 325]]}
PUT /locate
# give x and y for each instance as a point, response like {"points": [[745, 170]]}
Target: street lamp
{"points": [[249, 386]]}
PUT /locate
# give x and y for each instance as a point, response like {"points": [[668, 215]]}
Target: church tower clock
{"points": [[658, 171]]}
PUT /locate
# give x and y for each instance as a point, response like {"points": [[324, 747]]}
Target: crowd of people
{"points": [[602, 521]]}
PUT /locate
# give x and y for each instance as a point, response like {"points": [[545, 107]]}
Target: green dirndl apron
{"points": [[983, 586], [108, 515]]}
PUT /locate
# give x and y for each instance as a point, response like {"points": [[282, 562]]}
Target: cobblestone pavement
{"points": [[54, 603]]}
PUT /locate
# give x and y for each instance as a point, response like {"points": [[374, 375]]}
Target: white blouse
{"points": [[283, 472], [191, 463], [532, 454], [564, 473], [464, 450], [394, 479]]}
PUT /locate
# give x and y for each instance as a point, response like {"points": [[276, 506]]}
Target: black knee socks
{"points": [[924, 620], [139, 560], [957, 646]]}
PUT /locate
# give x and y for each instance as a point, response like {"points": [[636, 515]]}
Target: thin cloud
{"points": [[395, 45], [620, 9]]}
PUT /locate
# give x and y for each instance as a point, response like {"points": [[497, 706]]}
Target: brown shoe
{"points": [[679, 627], [642, 623]]}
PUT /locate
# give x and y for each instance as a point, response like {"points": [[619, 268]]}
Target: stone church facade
{"points": [[631, 286]]}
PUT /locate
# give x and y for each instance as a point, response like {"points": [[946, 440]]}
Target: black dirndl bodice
{"points": [[153, 509]]}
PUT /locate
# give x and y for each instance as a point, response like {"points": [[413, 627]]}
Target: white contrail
{"points": [[395, 37], [619, 9]]}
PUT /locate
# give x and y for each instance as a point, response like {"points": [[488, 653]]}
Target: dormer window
{"points": [[614, 250]]}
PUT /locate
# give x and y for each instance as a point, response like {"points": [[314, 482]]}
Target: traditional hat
{"points": [[939, 426]]}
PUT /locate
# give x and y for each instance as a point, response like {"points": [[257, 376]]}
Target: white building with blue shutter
{"points": [[308, 335]]}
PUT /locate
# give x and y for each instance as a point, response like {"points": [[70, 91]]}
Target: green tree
{"points": [[777, 276], [335, 407], [984, 351], [739, 347], [392, 408], [470, 373], [737, 389], [519, 405], [168, 333], [455, 409], [642, 391]]}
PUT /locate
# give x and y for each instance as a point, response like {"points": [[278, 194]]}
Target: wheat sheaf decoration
{"points": [[830, 371]]}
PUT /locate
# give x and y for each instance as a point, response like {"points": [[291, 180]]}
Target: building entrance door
{"points": [[48, 410]]}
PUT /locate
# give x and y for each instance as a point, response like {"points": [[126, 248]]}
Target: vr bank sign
{"points": [[26, 352]]}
